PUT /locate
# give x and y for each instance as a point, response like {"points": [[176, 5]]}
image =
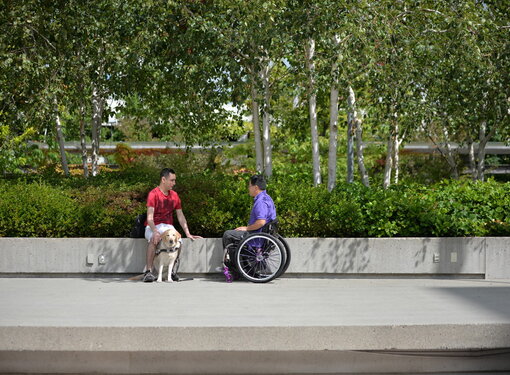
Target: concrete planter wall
{"points": [[479, 257]]}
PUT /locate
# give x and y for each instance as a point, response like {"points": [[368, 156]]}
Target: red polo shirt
{"points": [[164, 205]]}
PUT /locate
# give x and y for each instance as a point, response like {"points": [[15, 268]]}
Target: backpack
{"points": [[138, 230]]}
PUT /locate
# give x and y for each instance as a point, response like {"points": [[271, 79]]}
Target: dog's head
{"points": [[170, 239]]}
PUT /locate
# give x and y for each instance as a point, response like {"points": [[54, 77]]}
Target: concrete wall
{"points": [[489, 257]]}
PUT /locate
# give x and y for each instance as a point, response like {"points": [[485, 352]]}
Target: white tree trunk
{"points": [[450, 158], [255, 110], [83, 143], [357, 132], [333, 135], [472, 159], [359, 152], [389, 162], [312, 106], [60, 140], [333, 124], [480, 170], [482, 146], [266, 122], [396, 157], [97, 115], [477, 159], [351, 118]]}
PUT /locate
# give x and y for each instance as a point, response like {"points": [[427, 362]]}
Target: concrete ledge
{"points": [[293, 338], [265, 362], [489, 257]]}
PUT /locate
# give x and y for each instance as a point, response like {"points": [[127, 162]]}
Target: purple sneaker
{"points": [[228, 275]]}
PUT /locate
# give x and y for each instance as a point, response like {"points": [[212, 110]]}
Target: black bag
{"points": [[138, 230]]}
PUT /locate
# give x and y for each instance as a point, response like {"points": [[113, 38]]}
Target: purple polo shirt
{"points": [[263, 208]]}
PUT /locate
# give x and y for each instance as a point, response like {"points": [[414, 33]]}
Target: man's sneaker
{"points": [[148, 277], [228, 276], [175, 277]]}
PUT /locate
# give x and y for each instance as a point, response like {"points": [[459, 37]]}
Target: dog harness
{"points": [[173, 250]]}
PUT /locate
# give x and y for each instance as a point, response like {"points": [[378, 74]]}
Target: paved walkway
{"points": [[289, 315], [91, 302]]}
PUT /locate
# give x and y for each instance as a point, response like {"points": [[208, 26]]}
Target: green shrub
{"points": [[105, 206], [37, 210], [213, 203]]}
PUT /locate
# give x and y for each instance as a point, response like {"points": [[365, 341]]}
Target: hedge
{"points": [[106, 207]]}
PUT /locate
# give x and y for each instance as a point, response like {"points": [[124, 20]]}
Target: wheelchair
{"points": [[258, 257]]}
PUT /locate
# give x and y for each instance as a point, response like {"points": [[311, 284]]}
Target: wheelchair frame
{"points": [[259, 257]]}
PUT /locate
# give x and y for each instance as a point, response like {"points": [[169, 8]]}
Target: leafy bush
{"points": [[106, 205], [36, 210]]}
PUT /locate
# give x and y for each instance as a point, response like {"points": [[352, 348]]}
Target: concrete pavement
{"points": [[290, 325]]}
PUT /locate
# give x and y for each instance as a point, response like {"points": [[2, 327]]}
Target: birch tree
{"points": [[308, 24], [31, 72], [356, 128], [60, 140], [392, 75], [333, 120], [351, 121], [247, 34], [266, 127], [312, 107], [465, 81], [255, 112]]}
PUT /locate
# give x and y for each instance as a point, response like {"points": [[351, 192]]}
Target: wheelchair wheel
{"points": [[287, 253], [260, 257]]}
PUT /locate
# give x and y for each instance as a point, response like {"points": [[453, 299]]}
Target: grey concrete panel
{"points": [[498, 258], [333, 256], [71, 255], [387, 255]]}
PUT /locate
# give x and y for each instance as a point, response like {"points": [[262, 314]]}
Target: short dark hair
{"points": [[165, 172], [258, 180]]}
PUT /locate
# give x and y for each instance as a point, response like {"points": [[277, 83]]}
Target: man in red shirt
{"points": [[162, 201]]}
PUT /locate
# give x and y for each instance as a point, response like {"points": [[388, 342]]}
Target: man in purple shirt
{"points": [[262, 212]]}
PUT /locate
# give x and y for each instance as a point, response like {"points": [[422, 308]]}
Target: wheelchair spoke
{"points": [[273, 263], [250, 249], [250, 263]]}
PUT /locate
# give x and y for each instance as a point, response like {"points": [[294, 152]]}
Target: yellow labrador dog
{"points": [[166, 253]]}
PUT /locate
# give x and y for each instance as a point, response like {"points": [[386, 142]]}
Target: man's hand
{"points": [[156, 237], [193, 237], [255, 226]]}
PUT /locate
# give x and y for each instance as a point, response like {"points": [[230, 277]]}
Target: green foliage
{"points": [[36, 210], [214, 202], [429, 67], [106, 206], [14, 152]]}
